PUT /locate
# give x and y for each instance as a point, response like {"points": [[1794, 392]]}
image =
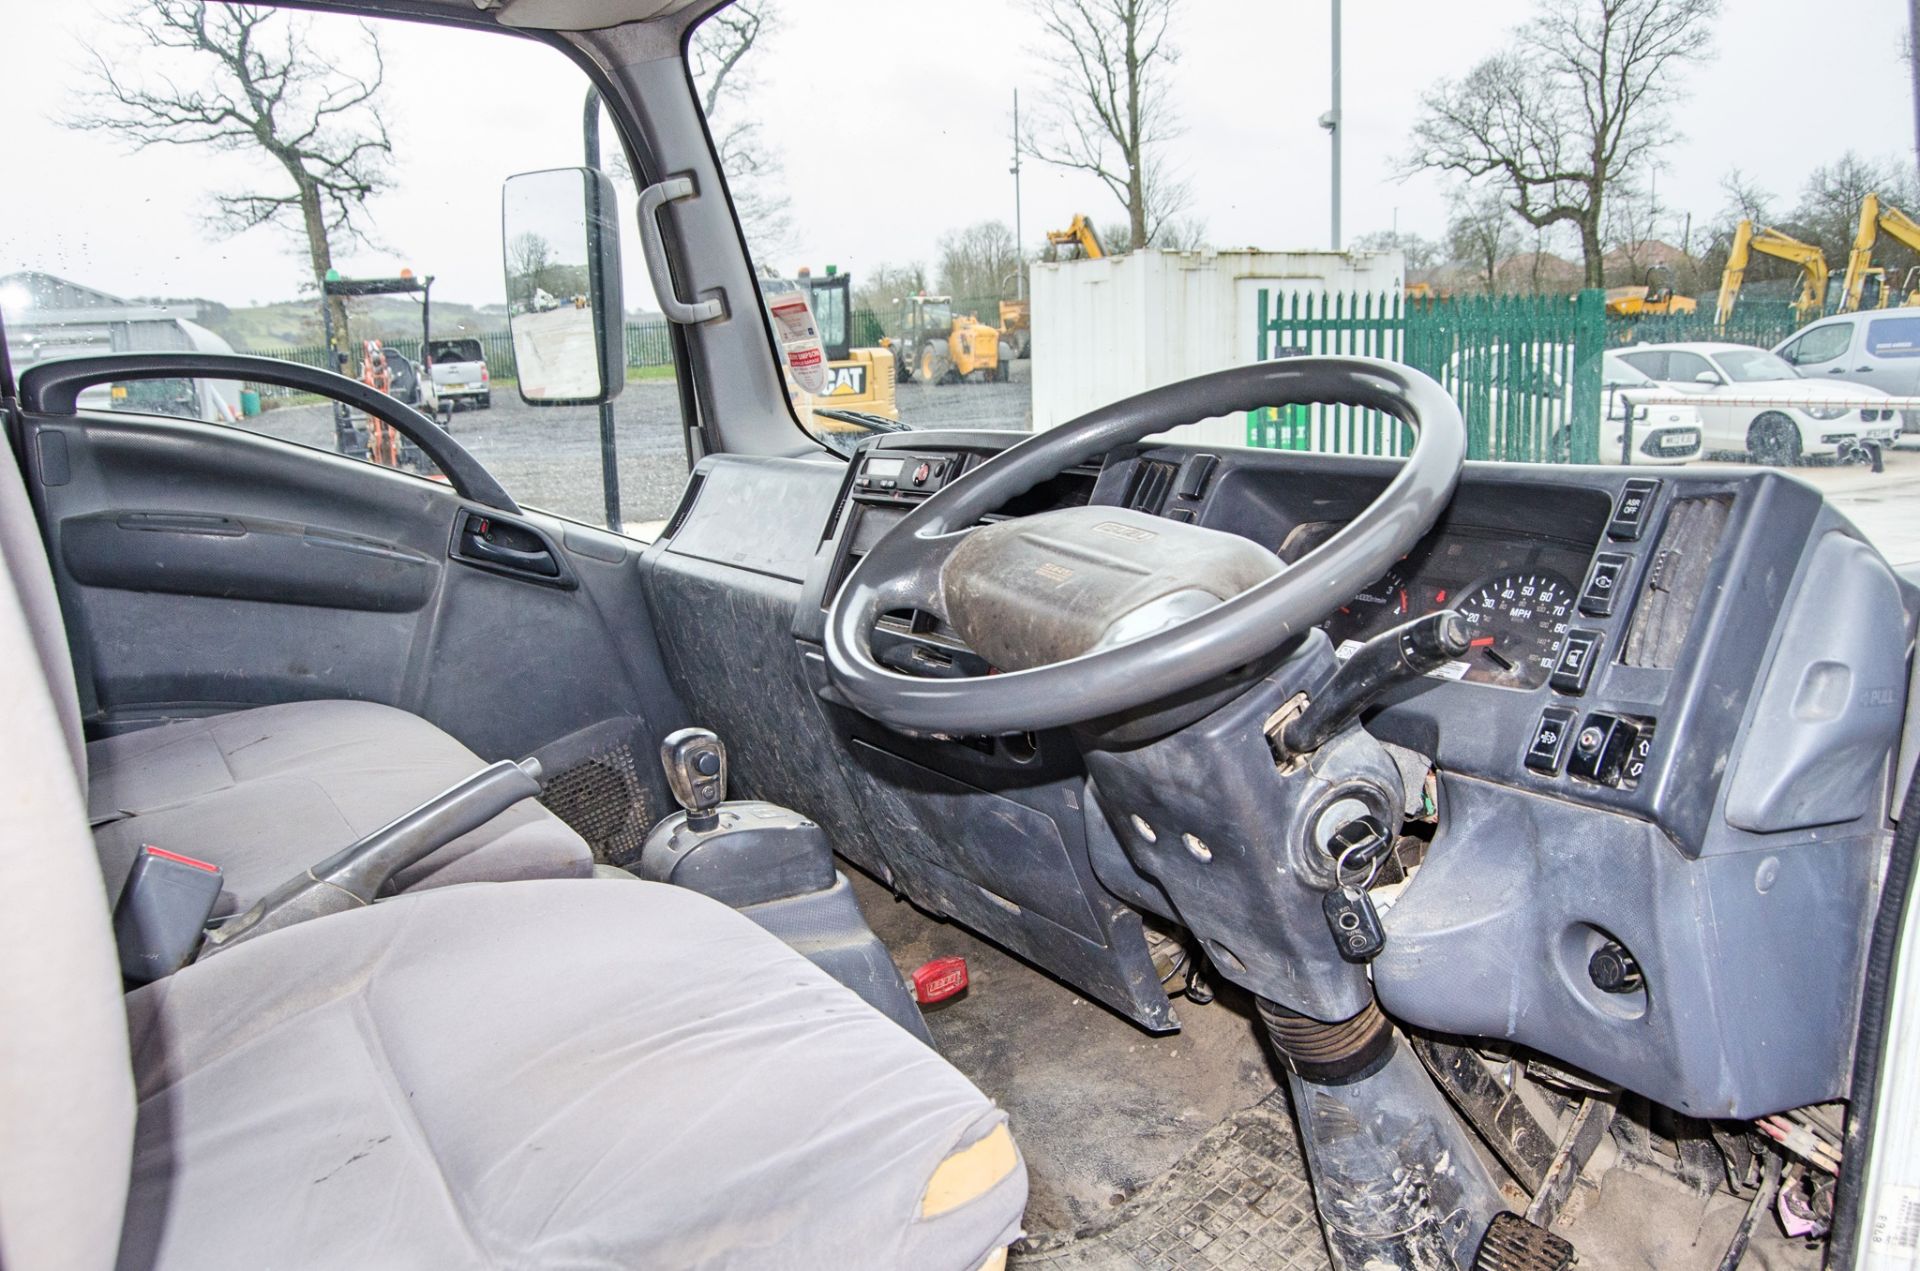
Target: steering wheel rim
{"points": [[902, 570]]}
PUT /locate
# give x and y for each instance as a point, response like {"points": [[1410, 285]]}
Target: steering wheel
{"points": [[913, 566]]}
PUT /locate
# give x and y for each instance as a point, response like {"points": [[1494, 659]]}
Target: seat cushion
{"points": [[265, 793], [561, 1073]]}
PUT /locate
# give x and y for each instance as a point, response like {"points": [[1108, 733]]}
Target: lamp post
{"points": [[1331, 122], [1019, 245]]}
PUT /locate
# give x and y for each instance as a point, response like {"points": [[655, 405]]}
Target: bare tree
{"points": [[240, 78], [1746, 199], [726, 75], [1630, 232], [1107, 112], [979, 263], [1481, 233], [881, 289], [1179, 234], [1578, 106], [1828, 212]]}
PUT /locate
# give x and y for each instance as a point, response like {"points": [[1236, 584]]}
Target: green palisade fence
{"points": [[1525, 370]]}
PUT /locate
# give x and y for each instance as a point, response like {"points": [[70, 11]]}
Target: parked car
{"points": [[460, 374], [1661, 434], [1755, 402], [1542, 392], [1879, 349]]}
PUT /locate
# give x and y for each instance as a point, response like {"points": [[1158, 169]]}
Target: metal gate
{"points": [[1524, 370]]}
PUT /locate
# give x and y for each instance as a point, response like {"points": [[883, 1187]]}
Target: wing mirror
{"points": [[1708, 377], [561, 239]]}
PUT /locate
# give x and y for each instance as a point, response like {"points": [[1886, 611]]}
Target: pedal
{"points": [[1514, 1244]]}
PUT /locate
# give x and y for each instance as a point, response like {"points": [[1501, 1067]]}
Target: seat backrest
{"points": [[66, 1081], [26, 559]]}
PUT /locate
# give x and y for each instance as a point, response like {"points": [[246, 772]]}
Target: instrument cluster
{"points": [[1517, 595]]}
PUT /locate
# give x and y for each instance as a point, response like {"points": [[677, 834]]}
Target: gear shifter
{"points": [[696, 764]]}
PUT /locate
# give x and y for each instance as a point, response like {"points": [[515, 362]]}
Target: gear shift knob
{"points": [[696, 764]]}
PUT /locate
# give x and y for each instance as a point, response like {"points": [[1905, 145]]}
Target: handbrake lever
{"points": [[1409, 650], [356, 875]]}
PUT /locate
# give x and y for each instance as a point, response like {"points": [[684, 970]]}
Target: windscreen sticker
{"points": [[800, 341]]}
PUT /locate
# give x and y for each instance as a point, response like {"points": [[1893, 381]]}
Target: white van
{"points": [[1879, 348]]}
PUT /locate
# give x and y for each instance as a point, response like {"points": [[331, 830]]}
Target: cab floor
{"points": [[1107, 1116], [1181, 1151]]}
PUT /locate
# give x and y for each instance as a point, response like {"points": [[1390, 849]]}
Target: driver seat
{"points": [[562, 1072]]}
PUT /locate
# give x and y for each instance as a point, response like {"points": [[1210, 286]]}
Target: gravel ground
{"points": [[549, 458]]}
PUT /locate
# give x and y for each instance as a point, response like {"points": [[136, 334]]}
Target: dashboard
{"points": [[1660, 740]]}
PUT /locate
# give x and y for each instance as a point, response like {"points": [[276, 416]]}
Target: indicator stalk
{"points": [[1409, 650]]}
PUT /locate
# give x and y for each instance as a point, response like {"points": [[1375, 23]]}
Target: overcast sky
{"points": [[894, 126]]}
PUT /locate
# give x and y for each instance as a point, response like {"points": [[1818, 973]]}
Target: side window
{"points": [[1685, 368], [1652, 363], [394, 272], [1822, 344], [1893, 337]]}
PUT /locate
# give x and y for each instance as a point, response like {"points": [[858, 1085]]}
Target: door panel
{"points": [[203, 569]]}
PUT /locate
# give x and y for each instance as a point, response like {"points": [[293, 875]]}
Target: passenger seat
{"points": [[265, 793], [548, 1073]]}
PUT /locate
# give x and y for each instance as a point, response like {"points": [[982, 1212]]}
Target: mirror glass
{"points": [[559, 236]]}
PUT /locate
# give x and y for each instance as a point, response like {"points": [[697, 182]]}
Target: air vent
{"points": [[1148, 487], [1676, 580]]}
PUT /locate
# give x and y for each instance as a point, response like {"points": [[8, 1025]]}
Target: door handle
{"points": [[474, 541], [537, 562]]}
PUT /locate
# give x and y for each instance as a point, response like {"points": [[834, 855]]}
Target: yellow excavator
{"points": [[1076, 242], [1875, 220], [1812, 301]]}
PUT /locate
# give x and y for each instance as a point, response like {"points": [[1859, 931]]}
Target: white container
{"points": [[1107, 329]]}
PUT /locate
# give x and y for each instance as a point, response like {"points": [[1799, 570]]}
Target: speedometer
{"points": [[1515, 623]]}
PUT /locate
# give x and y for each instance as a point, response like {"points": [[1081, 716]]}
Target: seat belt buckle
{"points": [[162, 912]]}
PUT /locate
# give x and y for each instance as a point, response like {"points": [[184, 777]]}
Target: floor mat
{"points": [[1239, 1199]]}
